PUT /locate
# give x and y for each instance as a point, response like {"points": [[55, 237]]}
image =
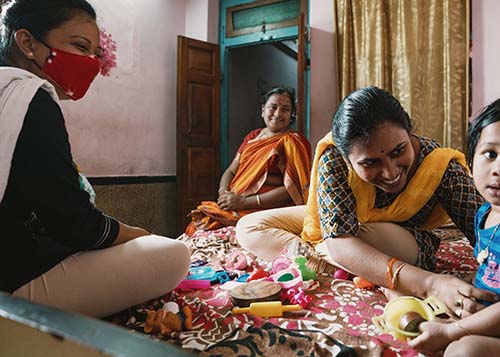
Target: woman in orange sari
{"points": [[271, 168]]}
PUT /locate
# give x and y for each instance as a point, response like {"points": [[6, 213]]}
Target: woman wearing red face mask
{"points": [[57, 248]]}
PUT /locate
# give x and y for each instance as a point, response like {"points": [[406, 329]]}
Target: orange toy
{"points": [[165, 322], [362, 283]]}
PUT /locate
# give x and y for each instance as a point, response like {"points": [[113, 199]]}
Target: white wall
{"points": [[485, 53], [200, 18]]}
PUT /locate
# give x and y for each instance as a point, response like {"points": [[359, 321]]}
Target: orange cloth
{"points": [[291, 152], [416, 194]]}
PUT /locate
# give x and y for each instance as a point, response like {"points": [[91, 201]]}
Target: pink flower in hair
{"points": [[108, 55]]}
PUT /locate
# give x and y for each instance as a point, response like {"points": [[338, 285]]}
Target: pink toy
{"points": [[341, 274], [281, 263], [296, 296], [189, 284], [237, 260], [294, 282]]}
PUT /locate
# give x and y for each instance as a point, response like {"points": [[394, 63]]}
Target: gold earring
{"points": [[30, 55]]}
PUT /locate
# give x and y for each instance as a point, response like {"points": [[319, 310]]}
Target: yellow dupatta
{"points": [[416, 194], [294, 163]]}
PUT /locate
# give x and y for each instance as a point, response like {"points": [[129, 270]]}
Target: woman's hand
{"points": [[230, 201], [458, 296], [434, 338]]}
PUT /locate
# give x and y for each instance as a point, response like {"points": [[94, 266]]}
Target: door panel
{"points": [[301, 71], [198, 125]]}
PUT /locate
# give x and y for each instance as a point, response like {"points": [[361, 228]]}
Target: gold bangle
{"points": [[395, 275], [389, 273], [257, 197]]}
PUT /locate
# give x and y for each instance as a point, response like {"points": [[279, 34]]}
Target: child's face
{"points": [[486, 166]]}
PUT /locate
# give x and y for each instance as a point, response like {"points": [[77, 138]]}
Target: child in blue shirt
{"points": [[479, 333]]}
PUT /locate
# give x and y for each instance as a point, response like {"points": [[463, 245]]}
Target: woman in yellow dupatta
{"points": [[271, 168], [377, 191]]}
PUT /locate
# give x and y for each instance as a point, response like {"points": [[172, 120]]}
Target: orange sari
{"points": [[289, 151]]}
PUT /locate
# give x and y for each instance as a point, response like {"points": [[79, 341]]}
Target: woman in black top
{"points": [[57, 247]]}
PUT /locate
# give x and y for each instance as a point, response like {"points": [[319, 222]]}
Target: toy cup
{"points": [[388, 322]]}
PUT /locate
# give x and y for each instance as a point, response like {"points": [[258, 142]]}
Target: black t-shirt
{"points": [[45, 216]]}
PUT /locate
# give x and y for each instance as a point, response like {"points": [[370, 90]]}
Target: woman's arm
{"points": [[359, 258], [460, 199], [126, 233], [436, 336], [277, 197], [228, 175]]}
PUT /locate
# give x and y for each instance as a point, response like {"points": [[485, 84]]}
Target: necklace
{"points": [[483, 254]]}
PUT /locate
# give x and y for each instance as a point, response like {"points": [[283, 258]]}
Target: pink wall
{"points": [[126, 124], [485, 53], [323, 89]]}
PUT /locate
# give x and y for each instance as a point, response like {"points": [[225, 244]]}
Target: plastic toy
{"points": [[296, 296], [341, 274], [280, 263], [362, 283], [198, 263], [389, 321], [237, 260], [288, 278], [165, 321], [307, 274], [201, 273], [267, 309], [222, 276], [243, 278], [258, 274], [193, 284]]}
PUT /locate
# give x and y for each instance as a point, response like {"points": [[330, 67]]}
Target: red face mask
{"points": [[72, 73]]}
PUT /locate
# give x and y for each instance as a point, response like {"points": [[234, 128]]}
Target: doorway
{"points": [[254, 70], [263, 43]]}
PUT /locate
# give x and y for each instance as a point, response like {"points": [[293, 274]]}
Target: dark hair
{"points": [[489, 115], [38, 17], [289, 92], [362, 112]]}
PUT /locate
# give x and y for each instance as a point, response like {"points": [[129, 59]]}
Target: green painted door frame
{"points": [[227, 43]]}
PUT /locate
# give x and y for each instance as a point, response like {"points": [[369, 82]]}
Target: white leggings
{"points": [[99, 283], [266, 233]]}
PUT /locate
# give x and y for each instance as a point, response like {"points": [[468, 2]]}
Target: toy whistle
{"points": [[267, 309]]}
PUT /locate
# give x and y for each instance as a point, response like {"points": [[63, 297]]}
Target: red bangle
{"points": [[390, 283]]}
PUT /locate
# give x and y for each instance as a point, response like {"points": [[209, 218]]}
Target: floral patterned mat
{"points": [[338, 322]]}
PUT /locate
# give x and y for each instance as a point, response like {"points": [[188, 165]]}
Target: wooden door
{"points": [[302, 63], [198, 125]]}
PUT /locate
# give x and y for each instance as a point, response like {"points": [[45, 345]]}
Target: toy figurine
{"points": [[169, 319]]}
